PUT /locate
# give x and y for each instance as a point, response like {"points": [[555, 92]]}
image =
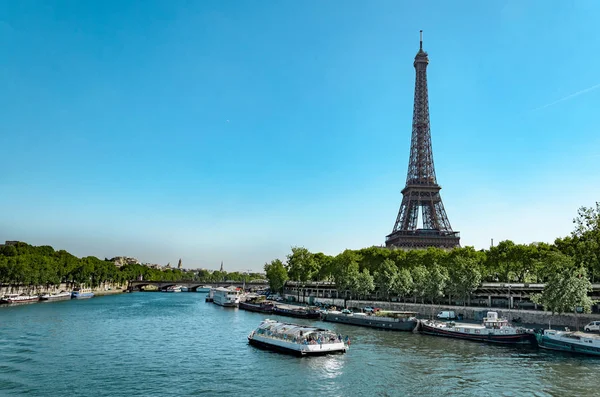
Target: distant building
{"points": [[179, 264], [9, 243], [155, 266], [124, 260]]}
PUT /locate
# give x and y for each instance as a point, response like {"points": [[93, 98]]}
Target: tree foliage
{"points": [[23, 264], [363, 284], [386, 277], [276, 274], [565, 291]]}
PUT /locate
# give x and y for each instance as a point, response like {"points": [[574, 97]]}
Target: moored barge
{"points": [[296, 311], [296, 339], [16, 298], [82, 293], [569, 341], [259, 307], [392, 320], [493, 329], [63, 295]]}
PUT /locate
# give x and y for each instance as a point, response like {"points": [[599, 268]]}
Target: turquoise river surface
{"points": [[158, 344]]}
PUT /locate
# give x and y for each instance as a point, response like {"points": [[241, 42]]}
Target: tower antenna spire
{"points": [[421, 36]]}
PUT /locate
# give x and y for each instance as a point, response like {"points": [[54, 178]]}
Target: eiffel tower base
{"points": [[422, 239]]}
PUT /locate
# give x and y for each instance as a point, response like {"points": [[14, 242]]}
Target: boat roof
{"points": [[230, 289], [575, 334], [396, 312], [289, 328]]}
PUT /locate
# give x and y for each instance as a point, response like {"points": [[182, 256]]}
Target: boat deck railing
{"points": [[299, 340]]}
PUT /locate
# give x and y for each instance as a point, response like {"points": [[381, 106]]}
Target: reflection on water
{"points": [[176, 344]]}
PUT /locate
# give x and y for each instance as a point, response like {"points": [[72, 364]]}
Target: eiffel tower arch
{"points": [[422, 191]]}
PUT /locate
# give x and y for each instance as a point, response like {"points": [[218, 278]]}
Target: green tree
{"points": [[435, 283], [363, 284], [586, 238], [464, 277], [386, 277], [276, 274], [565, 291], [325, 265], [345, 270], [404, 284], [420, 277], [301, 265]]}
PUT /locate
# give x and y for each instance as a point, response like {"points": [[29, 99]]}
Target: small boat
{"points": [[260, 307], [569, 341], [297, 339], [82, 293], [204, 288], [62, 295], [393, 320], [16, 298], [493, 329], [296, 311], [227, 297], [184, 289], [173, 288]]}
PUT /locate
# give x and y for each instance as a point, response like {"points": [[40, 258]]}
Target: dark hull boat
{"points": [[396, 321], [263, 307], [296, 312], [569, 341], [493, 330]]}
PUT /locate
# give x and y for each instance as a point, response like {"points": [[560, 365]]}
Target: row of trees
{"points": [[23, 264], [429, 274]]}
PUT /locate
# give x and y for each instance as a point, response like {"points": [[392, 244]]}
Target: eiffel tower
{"points": [[421, 190]]}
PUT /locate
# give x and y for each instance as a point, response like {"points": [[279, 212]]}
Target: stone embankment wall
{"points": [[469, 313], [104, 289]]}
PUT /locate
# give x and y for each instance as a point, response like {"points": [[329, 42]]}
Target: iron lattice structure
{"points": [[421, 190]]}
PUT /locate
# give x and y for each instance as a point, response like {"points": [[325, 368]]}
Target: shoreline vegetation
{"points": [[37, 269], [567, 267]]}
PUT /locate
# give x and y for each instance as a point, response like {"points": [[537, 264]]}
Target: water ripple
{"points": [[176, 344]]}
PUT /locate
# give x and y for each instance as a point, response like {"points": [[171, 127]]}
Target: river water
{"points": [[144, 344]]}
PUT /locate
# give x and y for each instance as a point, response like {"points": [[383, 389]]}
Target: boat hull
{"points": [[13, 301], [372, 321], [256, 308], [564, 346], [53, 298], [224, 304], [296, 313], [512, 339], [287, 350], [85, 295]]}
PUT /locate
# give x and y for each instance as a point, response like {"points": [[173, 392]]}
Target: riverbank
{"points": [[475, 314], [105, 289]]}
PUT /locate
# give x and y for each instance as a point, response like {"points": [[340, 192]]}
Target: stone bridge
{"points": [[194, 285]]}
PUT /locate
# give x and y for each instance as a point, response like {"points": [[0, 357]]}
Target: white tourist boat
{"points": [[569, 341], [173, 288], [204, 288], [297, 339], [56, 296], [226, 297], [16, 298]]}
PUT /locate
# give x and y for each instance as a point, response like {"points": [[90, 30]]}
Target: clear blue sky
{"points": [[232, 130]]}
